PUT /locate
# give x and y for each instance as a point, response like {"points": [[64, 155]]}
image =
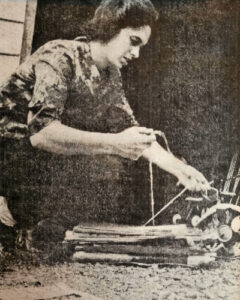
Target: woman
{"points": [[67, 98]]}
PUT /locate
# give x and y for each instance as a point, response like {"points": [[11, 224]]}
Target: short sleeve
{"points": [[49, 94]]}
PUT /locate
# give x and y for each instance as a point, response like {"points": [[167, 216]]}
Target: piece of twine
{"points": [[165, 207], [152, 219]]}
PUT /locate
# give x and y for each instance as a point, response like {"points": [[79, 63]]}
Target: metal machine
{"points": [[217, 214]]}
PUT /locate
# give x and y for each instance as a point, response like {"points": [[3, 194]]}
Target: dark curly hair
{"points": [[113, 15]]}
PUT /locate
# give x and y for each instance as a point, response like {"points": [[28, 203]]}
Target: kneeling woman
{"points": [[67, 99]]}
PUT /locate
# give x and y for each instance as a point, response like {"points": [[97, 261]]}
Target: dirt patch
{"points": [[220, 281]]}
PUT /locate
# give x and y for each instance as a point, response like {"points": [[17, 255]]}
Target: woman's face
{"points": [[126, 45]]}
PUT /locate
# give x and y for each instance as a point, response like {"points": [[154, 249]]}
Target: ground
{"points": [[219, 281]]}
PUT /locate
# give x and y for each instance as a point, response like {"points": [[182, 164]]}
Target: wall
{"points": [[12, 17], [188, 87], [17, 20]]}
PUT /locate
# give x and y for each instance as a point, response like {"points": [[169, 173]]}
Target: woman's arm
{"points": [[186, 175], [130, 143], [61, 139]]}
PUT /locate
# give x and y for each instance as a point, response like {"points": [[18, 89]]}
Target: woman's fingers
{"points": [[133, 141], [149, 139], [193, 180], [143, 135], [145, 130]]}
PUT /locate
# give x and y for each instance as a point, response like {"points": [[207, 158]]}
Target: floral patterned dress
{"points": [[61, 82], [58, 82]]}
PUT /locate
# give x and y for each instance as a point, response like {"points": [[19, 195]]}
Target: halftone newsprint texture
{"points": [[186, 84]]}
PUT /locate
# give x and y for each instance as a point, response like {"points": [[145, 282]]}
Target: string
{"points": [[151, 190], [161, 134], [165, 207]]}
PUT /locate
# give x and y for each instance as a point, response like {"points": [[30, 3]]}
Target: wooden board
{"points": [[73, 237], [194, 260], [140, 250], [28, 32], [113, 229], [13, 10], [11, 37], [8, 66]]}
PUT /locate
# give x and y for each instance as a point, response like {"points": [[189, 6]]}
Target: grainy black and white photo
{"points": [[119, 149]]}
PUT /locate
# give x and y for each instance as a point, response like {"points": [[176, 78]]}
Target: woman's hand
{"points": [[189, 177], [192, 179], [131, 142]]}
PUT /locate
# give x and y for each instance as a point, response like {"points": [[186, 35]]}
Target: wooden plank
{"points": [[76, 238], [112, 229], [31, 8], [141, 250], [13, 10], [11, 35], [84, 257], [120, 233], [8, 66]]}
